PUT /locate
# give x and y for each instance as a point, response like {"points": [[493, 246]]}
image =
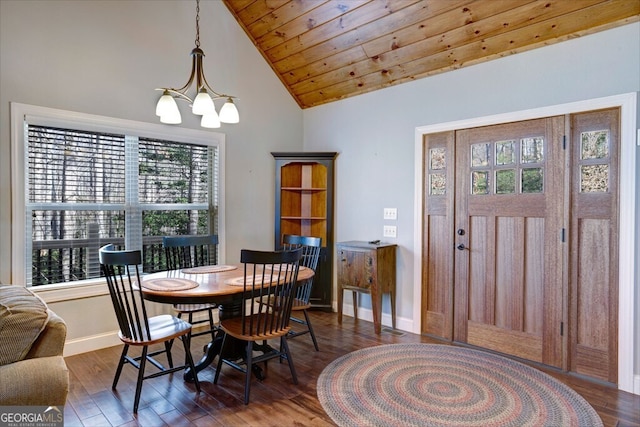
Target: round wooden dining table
{"points": [[218, 284]]}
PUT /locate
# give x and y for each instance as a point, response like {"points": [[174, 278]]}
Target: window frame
{"points": [[21, 115]]}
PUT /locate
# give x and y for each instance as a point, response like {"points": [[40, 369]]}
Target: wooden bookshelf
{"points": [[304, 206]]}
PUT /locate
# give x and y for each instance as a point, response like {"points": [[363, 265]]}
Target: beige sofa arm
{"points": [[43, 381], [50, 342]]}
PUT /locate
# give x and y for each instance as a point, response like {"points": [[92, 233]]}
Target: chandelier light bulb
{"points": [[203, 104], [168, 110], [229, 112], [166, 105]]}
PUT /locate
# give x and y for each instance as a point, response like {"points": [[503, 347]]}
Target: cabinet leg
{"points": [[355, 305], [376, 306], [392, 298], [340, 295]]}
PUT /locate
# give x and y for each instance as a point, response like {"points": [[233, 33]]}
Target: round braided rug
{"points": [[440, 385]]}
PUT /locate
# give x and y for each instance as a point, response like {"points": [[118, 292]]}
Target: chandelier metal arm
{"points": [[195, 69], [197, 74]]}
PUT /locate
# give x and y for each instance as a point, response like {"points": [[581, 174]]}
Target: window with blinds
{"points": [[75, 199], [86, 189]]}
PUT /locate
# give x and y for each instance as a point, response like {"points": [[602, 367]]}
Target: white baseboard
{"points": [[110, 339], [402, 323], [91, 343], [636, 384], [107, 339]]}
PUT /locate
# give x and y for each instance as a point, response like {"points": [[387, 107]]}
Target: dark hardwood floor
{"points": [[169, 401]]}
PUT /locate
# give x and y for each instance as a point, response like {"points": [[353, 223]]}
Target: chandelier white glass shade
{"points": [[202, 102]]}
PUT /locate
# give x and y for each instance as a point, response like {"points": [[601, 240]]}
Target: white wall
{"points": [[374, 132], [106, 57]]}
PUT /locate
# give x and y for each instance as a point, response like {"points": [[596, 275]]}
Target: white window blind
{"points": [[86, 188], [75, 202]]}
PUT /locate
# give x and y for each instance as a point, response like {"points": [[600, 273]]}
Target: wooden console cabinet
{"points": [[304, 206], [367, 268]]}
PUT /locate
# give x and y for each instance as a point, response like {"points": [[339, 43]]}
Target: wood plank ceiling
{"points": [[326, 50]]}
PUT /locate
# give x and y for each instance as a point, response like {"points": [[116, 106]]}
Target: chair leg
{"points": [[167, 348], [120, 365], [247, 381], [186, 341], [220, 359], [313, 336], [285, 345], [143, 363]]}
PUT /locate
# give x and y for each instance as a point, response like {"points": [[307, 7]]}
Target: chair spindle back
{"points": [[310, 254], [121, 269], [270, 283], [189, 251]]}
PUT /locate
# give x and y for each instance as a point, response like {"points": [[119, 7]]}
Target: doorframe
{"points": [[627, 304]]}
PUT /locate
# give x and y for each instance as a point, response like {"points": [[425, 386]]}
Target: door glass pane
{"points": [[479, 154], [505, 152], [437, 184], [506, 181], [532, 150], [437, 159], [594, 178], [480, 182], [595, 144], [532, 180]]}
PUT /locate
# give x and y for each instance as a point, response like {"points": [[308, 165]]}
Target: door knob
{"points": [[461, 247]]}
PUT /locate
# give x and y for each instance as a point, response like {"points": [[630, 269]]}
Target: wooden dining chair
{"points": [[122, 272], [188, 252], [310, 253], [269, 288]]}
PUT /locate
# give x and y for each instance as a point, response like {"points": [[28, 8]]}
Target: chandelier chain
{"points": [[197, 23]]}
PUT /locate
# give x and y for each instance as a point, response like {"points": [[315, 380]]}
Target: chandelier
{"points": [[202, 103]]}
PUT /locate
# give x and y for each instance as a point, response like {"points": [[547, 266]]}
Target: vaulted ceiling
{"points": [[326, 50]]}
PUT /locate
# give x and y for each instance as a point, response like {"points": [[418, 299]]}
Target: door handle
{"points": [[461, 247]]}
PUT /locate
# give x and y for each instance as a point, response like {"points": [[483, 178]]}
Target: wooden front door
{"points": [[508, 220], [520, 240]]}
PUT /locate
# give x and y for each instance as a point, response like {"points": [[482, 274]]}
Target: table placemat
{"points": [[169, 284], [206, 269]]}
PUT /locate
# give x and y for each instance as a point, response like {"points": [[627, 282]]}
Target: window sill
{"points": [[69, 292]]}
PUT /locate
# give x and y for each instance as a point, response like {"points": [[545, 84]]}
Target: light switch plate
{"points": [[390, 213], [389, 231]]}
